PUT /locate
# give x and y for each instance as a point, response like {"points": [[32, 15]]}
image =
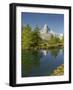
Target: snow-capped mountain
{"points": [[46, 33]]}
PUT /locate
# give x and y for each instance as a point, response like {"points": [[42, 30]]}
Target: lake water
{"points": [[41, 62]]}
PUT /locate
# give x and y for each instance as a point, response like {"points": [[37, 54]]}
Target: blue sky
{"points": [[54, 21]]}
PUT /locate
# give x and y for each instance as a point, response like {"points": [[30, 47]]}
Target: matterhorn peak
{"points": [[46, 28]]}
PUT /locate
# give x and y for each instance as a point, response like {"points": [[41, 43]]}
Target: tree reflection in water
{"points": [[54, 52], [31, 61]]}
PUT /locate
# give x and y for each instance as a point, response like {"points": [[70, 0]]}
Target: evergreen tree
{"points": [[26, 36]]}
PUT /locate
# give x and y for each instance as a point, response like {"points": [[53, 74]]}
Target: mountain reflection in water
{"points": [[41, 62]]}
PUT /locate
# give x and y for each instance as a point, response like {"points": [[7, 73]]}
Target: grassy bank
{"points": [[59, 71], [54, 46]]}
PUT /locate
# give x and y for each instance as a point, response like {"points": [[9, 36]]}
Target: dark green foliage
{"points": [[26, 36], [30, 38]]}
